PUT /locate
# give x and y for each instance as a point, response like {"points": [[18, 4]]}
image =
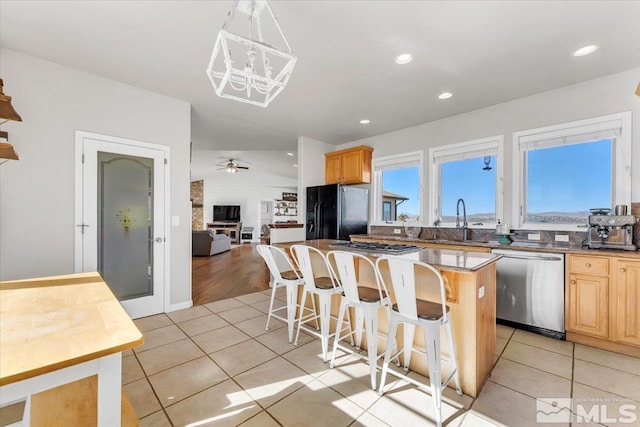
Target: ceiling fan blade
{"points": [[241, 167]]}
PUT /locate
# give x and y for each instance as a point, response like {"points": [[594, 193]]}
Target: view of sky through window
{"points": [[468, 180], [405, 182], [580, 176]]}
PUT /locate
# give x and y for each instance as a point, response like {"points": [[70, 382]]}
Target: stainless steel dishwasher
{"points": [[530, 291]]}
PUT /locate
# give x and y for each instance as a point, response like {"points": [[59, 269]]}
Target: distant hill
{"points": [[538, 217]]}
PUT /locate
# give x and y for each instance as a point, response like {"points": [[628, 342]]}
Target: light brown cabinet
{"points": [[628, 301], [603, 302], [588, 299], [350, 166]]}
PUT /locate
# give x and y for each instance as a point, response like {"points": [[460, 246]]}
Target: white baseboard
{"points": [[179, 306]]}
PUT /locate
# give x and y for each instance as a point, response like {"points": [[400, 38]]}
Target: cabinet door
{"points": [[352, 167], [333, 169], [628, 302], [588, 310]]}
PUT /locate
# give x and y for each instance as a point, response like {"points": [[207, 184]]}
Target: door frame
{"points": [[80, 136]]}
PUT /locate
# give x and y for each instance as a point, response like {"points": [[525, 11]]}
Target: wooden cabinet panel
{"points": [[589, 265], [350, 166], [333, 168], [588, 305], [627, 323], [603, 302]]}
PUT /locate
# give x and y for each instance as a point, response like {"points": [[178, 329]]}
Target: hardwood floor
{"points": [[236, 272]]}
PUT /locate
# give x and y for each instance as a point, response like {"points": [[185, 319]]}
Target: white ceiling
{"points": [[485, 52], [210, 163]]}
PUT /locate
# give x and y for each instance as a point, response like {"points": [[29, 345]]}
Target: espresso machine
{"points": [[612, 232]]}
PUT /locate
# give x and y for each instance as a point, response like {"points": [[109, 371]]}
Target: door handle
{"points": [[158, 240]]}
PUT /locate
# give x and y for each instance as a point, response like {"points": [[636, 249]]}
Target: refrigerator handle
{"points": [[320, 221], [310, 225]]}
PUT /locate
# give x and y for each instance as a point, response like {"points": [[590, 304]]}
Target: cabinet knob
{"points": [[622, 270], [573, 282], [588, 265]]}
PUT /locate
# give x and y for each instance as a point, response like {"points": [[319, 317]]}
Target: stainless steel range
{"points": [[611, 232], [377, 247]]}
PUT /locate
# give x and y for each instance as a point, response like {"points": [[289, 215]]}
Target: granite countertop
{"points": [[493, 244], [453, 260], [461, 261]]}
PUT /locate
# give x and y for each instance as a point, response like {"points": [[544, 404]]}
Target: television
{"points": [[226, 213]]}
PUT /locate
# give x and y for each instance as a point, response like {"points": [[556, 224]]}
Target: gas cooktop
{"points": [[377, 247]]}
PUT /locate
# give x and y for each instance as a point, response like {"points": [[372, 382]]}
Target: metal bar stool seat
{"points": [[324, 286], [430, 316], [365, 300], [283, 274]]}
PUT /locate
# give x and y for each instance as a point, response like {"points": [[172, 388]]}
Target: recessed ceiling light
{"points": [[405, 58], [289, 154], [445, 95], [295, 166], [365, 121], [585, 50]]}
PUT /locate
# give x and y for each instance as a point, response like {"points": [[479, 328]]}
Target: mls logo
{"points": [[553, 410]]}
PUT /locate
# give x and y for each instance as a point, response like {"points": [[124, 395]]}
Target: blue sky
{"points": [[566, 178]]}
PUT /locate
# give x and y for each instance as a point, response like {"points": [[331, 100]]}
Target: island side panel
{"points": [[485, 324]]}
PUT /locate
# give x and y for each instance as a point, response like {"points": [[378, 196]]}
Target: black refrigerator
{"points": [[336, 211]]}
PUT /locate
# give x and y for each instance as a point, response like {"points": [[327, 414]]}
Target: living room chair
{"points": [[206, 243]]}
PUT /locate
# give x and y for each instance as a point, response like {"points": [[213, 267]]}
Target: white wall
{"points": [[311, 168], [37, 193], [247, 189], [606, 95]]}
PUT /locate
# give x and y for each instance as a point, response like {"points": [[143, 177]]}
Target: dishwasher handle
{"points": [[533, 258]]}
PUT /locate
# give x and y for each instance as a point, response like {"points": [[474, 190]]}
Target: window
{"points": [[386, 212], [397, 188], [471, 171], [563, 171]]}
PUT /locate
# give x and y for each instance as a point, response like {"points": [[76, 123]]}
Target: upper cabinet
{"points": [[350, 166]]}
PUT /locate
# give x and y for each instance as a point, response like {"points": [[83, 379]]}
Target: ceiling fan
{"points": [[231, 166]]}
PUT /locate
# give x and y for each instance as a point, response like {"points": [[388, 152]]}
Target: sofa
{"points": [[207, 243]]}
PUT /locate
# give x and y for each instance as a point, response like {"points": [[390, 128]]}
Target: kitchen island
{"points": [[470, 280]]}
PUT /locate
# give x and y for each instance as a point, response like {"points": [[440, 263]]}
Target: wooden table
{"points": [[470, 280], [56, 330]]}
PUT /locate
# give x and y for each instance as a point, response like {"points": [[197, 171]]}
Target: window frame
{"points": [[620, 161], [396, 161], [384, 204], [493, 145]]}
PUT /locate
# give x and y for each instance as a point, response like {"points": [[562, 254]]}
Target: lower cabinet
{"points": [[603, 302], [588, 300], [628, 301]]}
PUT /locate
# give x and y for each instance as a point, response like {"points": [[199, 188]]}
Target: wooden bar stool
{"points": [[285, 275], [365, 299], [320, 283], [430, 316]]}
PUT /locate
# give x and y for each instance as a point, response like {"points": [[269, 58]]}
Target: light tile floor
{"points": [[216, 365]]}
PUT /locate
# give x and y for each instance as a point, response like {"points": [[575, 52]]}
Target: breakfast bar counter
{"points": [[470, 281]]}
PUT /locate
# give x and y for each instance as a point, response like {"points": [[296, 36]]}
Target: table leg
{"points": [[109, 390]]}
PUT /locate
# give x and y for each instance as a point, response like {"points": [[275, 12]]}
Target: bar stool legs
{"points": [[431, 331]]}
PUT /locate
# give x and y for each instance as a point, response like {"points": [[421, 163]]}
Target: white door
{"points": [[120, 218]]}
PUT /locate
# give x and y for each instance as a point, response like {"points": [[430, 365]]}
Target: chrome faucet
{"points": [[465, 229]]}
